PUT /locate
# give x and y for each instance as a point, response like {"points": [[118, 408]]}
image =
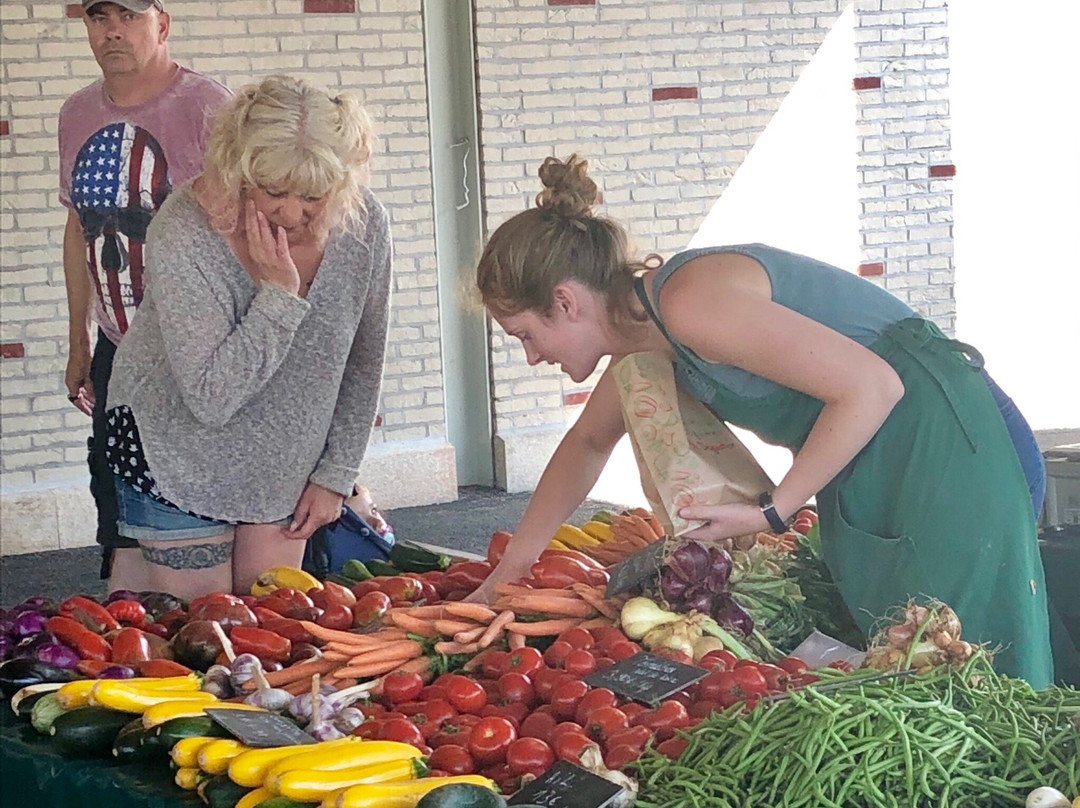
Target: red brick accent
{"points": [[571, 2], [947, 170], [672, 93], [573, 399], [5, 128], [74, 10], [378, 420], [877, 268], [12, 350], [866, 82], [329, 6]]}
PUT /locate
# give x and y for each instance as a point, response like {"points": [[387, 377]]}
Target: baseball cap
{"points": [[137, 6]]}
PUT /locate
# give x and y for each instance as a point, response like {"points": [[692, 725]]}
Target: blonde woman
{"points": [[245, 390]]}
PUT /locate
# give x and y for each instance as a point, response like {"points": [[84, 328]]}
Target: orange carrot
{"points": [[596, 622], [423, 612], [470, 611], [447, 647], [543, 628], [368, 669], [561, 607], [498, 625], [597, 601], [339, 656], [397, 649], [334, 635], [644, 529], [452, 627], [301, 670], [472, 635], [515, 641], [414, 625]]}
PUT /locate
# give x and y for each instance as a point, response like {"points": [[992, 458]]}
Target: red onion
{"points": [[690, 561]]}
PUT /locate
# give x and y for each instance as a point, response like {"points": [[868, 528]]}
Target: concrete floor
{"points": [[466, 524]]}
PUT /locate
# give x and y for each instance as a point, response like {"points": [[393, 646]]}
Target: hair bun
{"points": [[567, 187]]}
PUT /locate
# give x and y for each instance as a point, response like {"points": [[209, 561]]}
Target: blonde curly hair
{"points": [[288, 135], [558, 240]]}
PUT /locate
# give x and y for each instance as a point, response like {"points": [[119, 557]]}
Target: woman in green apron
{"points": [[894, 428]]}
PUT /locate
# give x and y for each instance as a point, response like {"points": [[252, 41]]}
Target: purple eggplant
{"points": [[117, 672], [690, 561], [27, 648], [728, 613], [29, 624]]}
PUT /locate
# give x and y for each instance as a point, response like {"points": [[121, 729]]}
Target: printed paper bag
{"points": [[686, 455]]}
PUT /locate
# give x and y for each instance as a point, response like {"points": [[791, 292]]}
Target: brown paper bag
{"points": [[685, 454]]}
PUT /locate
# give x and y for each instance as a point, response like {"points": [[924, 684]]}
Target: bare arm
{"points": [[567, 479], [726, 316], [79, 291]]}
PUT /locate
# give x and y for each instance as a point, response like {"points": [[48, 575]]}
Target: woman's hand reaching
{"points": [[724, 521], [273, 263], [506, 571], [318, 506]]}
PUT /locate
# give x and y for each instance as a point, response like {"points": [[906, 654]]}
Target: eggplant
{"points": [[197, 645], [28, 624], [58, 655], [158, 603], [117, 672], [15, 674], [27, 648]]}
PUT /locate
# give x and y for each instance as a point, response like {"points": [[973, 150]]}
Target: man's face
{"points": [[124, 42]]}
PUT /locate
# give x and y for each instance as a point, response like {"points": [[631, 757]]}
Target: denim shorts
{"points": [[143, 517]]}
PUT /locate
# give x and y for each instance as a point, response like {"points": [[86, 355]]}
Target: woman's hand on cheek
{"points": [[269, 251], [318, 506], [724, 521]]}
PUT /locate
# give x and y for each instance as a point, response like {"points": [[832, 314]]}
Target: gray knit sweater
{"points": [[243, 392]]}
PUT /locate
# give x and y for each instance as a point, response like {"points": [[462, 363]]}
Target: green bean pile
{"points": [[946, 738]]}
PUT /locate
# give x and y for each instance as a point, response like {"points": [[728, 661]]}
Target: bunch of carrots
{"points": [[630, 532], [459, 628]]}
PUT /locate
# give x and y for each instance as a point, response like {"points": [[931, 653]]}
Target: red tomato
{"points": [[402, 686], [604, 722], [431, 692], [793, 665], [370, 607], [635, 737], [621, 756], [710, 687], [577, 638], [670, 653], [489, 740], [776, 678], [401, 730], [506, 780], [673, 747], [566, 728], [703, 709], [529, 756], [369, 730], [750, 680], [497, 546], [429, 716], [517, 688], [606, 636], [454, 730], [579, 662], [722, 660], [596, 698], [494, 664], [570, 745], [466, 694], [557, 653], [665, 719], [724, 688], [604, 662], [633, 709], [538, 725], [525, 660], [452, 759], [566, 695], [544, 681], [841, 665], [515, 713], [361, 588], [401, 587], [337, 616], [623, 649]]}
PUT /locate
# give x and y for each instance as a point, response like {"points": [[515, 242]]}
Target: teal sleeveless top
{"points": [[835, 298]]}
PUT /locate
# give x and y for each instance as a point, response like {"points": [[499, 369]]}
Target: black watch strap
{"points": [[775, 522]]}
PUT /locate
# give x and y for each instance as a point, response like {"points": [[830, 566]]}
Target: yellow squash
{"points": [[306, 785], [352, 755], [396, 795], [185, 752], [253, 798], [214, 758], [601, 531], [119, 695], [284, 577], [574, 537], [250, 768], [188, 778], [186, 708]]}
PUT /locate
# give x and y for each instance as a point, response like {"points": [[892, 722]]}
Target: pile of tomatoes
{"points": [[520, 711]]}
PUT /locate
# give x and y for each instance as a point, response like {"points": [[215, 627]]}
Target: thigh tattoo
{"points": [[192, 557]]}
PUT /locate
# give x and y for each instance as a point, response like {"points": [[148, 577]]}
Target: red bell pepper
{"points": [[89, 613], [291, 630], [130, 646], [85, 643], [264, 644], [497, 546], [127, 612], [467, 574], [559, 572]]}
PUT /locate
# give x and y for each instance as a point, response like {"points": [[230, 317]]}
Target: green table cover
{"points": [[34, 775]]}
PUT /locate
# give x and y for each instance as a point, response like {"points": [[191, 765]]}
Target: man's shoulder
{"points": [[88, 96], [197, 91]]}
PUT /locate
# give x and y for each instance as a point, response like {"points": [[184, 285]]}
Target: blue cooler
{"points": [[349, 537]]}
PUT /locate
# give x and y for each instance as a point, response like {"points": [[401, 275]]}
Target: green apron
{"points": [[934, 506]]}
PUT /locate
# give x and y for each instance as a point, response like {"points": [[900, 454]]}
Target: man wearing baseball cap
{"points": [[126, 141]]}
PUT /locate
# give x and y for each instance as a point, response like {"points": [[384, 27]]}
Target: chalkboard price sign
{"points": [[646, 677], [643, 565], [566, 785], [259, 729]]}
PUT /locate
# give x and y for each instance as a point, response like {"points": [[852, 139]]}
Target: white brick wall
{"points": [[558, 79], [903, 128], [376, 51]]}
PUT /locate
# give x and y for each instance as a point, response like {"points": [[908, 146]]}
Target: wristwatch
{"points": [[775, 522]]}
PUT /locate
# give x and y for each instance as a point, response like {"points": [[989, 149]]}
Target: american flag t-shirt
{"points": [[119, 181]]}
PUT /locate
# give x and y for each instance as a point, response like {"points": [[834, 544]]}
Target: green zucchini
{"points": [[410, 558], [377, 567], [46, 710], [22, 703], [136, 742], [345, 581], [462, 795], [171, 731], [221, 792], [355, 570], [87, 731]]}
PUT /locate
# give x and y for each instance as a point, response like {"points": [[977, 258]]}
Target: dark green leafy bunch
{"points": [[950, 737]]}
